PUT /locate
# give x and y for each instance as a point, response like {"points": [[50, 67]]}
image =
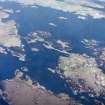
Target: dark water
{"points": [[72, 30], [2, 102]]}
